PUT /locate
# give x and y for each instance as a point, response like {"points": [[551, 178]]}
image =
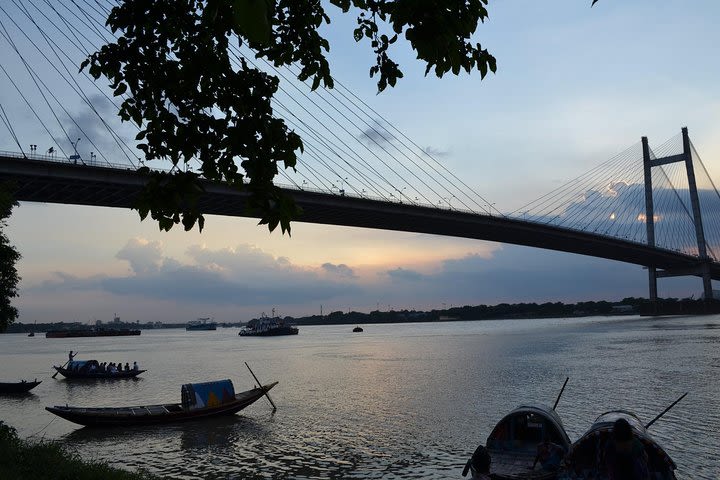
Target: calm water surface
{"points": [[403, 401]]}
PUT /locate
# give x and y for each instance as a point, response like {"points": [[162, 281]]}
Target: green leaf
{"points": [[252, 19]]}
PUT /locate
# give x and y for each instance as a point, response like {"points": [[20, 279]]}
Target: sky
{"points": [[575, 86]]}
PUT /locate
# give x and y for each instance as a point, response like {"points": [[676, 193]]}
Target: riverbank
{"points": [[26, 460]]}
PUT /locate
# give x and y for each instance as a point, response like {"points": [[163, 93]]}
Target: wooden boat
{"points": [[199, 400], [91, 332], [357, 329], [586, 457], [513, 443], [84, 369], [18, 387], [528, 443]]}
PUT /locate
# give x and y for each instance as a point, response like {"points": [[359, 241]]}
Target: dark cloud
{"points": [[241, 276], [87, 125], [436, 152], [376, 136], [405, 275], [340, 270]]}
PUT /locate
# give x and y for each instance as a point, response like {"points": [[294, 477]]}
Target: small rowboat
{"points": [[199, 400], [91, 369], [18, 387]]}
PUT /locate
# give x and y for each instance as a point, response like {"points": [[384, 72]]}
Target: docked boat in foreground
{"points": [[528, 443], [18, 387], [588, 458], [199, 400], [91, 369]]}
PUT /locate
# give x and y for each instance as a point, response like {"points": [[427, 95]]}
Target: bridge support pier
{"points": [[703, 268]]}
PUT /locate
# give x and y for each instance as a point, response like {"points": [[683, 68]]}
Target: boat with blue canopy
{"points": [[198, 401], [91, 369]]}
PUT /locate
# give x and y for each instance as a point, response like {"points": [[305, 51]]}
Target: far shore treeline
{"points": [[628, 306]]}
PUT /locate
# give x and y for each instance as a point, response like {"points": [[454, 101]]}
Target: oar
{"points": [[665, 411], [537, 457], [63, 365], [263, 388], [561, 392]]}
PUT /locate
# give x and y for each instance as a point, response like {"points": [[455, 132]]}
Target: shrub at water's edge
{"points": [[24, 460]]}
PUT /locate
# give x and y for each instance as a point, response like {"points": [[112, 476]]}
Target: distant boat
{"points": [[90, 369], [91, 332], [199, 400], [18, 387], [357, 329], [267, 327], [201, 324], [31, 334]]}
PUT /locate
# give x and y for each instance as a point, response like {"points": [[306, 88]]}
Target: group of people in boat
{"points": [[621, 457], [103, 367]]}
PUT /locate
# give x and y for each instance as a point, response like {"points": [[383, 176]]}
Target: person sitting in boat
{"points": [[550, 455], [479, 464], [625, 455], [113, 368], [135, 367]]}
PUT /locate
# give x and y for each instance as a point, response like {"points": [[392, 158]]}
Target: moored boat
{"points": [[91, 369], [588, 457], [91, 332], [267, 327], [527, 443], [18, 387], [201, 324], [357, 329], [199, 400]]}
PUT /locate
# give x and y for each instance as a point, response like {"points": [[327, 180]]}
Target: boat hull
{"points": [[73, 375], [274, 332], [154, 414], [90, 333], [18, 387]]}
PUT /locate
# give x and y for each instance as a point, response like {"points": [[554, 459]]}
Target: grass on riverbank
{"points": [[25, 460]]}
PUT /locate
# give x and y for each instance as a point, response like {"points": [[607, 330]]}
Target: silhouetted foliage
{"points": [[193, 97], [9, 256]]}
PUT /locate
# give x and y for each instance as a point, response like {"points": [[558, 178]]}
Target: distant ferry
{"points": [[267, 327], [201, 324], [91, 332]]}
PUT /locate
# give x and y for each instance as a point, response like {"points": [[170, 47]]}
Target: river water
{"points": [[399, 401]]}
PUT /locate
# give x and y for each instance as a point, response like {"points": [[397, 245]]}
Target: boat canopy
{"points": [[526, 427], [81, 365], [208, 394], [587, 454]]}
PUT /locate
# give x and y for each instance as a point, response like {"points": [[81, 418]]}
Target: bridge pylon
{"points": [[702, 269]]}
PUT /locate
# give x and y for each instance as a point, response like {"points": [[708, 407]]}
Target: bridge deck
{"points": [[55, 182]]}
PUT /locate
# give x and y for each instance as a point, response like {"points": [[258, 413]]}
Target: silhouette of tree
{"points": [[192, 98], [8, 258]]}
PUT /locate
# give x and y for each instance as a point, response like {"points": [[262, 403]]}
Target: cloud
{"points": [[376, 135], [405, 275], [340, 270], [436, 152], [144, 256]]}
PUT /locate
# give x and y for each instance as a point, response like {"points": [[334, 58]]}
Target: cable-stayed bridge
{"points": [[655, 207]]}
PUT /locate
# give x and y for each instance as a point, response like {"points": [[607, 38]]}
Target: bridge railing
{"points": [[343, 193]]}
